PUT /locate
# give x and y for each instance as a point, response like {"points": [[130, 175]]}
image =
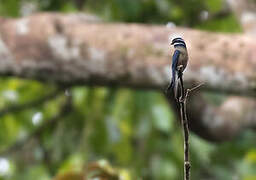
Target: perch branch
{"points": [[182, 104], [184, 120]]}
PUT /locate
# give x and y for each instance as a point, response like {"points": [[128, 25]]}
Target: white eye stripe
{"points": [[179, 43], [182, 42]]}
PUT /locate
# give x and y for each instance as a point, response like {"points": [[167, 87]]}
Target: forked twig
{"points": [[194, 88]]}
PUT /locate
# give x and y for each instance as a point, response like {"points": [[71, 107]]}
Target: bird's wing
{"points": [[175, 59]]}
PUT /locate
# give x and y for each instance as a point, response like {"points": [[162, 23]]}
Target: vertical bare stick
{"points": [[182, 105], [184, 121]]}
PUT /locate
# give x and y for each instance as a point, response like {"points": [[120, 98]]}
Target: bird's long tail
{"points": [[176, 87], [172, 88], [169, 89]]}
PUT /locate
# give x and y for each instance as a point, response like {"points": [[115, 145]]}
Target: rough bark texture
{"points": [[73, 49], [224, 122]]}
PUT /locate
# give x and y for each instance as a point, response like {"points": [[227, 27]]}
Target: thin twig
{"points": [[184, 120], [182, 102], [194, 88]]}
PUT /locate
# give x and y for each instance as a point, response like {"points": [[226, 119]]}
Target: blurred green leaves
{"points": [[133, 130], [226, 24], [214, 5], [10, 8]]}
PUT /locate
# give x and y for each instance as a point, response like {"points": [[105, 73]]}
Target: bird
{"points": [[179, 63]]}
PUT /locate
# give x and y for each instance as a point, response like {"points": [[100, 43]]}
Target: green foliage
{"points": [[10, 8], [133, 130], [226, 24], [150, 11], [214, 5]]}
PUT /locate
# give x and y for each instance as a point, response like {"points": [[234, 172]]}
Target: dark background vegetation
{"points": [[133, 130]]}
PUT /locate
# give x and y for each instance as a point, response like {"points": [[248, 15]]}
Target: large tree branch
{"points": [[224, 122], [71, 49]]}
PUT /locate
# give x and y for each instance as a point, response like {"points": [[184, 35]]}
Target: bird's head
{"points": [[178, 42]]}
